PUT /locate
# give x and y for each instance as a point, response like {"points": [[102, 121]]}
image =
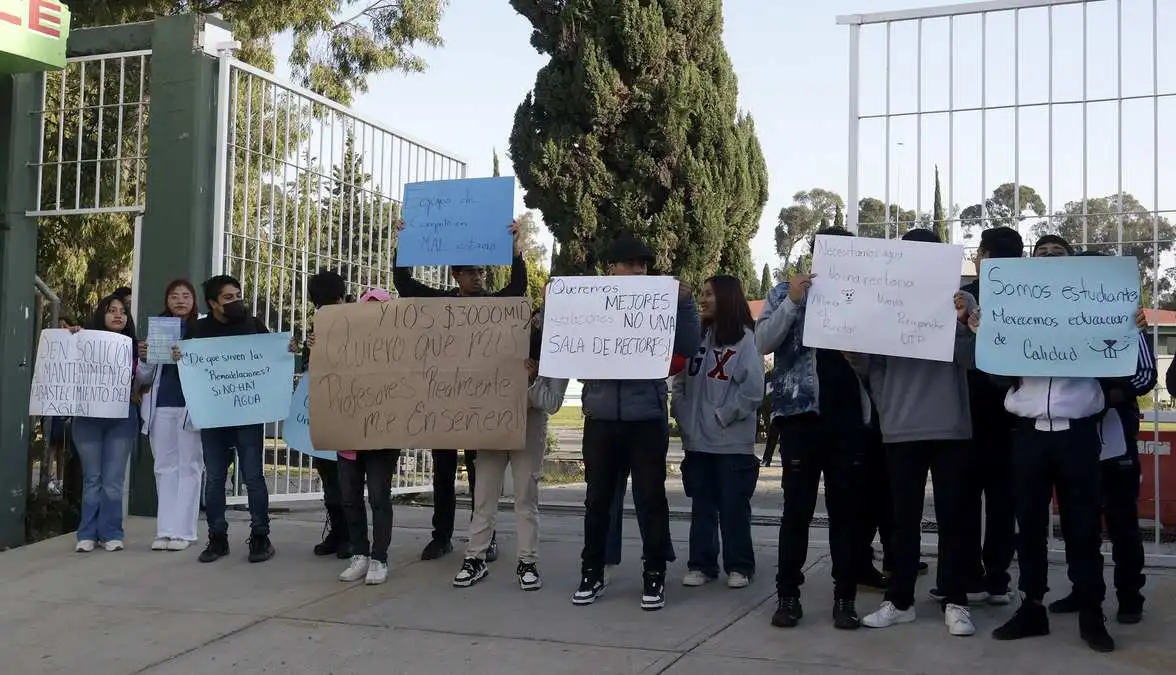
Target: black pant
{"points": [[773, 440], [445, 490], [989, 552], [809, 446], [328, 472], [908, 464], [877, 509], [1120, 507], [373, 468], [1065, 461], [720, 489], [610, 447]]}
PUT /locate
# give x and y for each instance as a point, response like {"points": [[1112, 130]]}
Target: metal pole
{"points": [[220, 168]]}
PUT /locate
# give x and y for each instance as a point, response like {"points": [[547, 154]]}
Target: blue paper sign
{"points": [[296, 428], [457, 222], [1059, 317], [234, 381]]}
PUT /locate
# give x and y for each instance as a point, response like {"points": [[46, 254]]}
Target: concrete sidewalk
{"points": [[160, 613]]}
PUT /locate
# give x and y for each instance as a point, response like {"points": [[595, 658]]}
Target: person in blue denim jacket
{"points": [[823, 413]]}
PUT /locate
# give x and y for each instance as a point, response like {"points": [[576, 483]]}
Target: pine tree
{"points": [[942, 227], [632, 128], [765, 282]]}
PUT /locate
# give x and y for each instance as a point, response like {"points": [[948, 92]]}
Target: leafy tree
{"points": [[632, 128], [810, 211], [873, 220], [765, 286], [1001, 208]]}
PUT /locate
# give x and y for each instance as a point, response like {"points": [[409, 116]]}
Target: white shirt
{"points": [[1054, 401]]}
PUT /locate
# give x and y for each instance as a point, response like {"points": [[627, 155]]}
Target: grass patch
{"points": [[568, 417]]}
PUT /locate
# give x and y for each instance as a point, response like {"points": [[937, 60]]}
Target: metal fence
{"points": [[1042, 115], [305, 184]]}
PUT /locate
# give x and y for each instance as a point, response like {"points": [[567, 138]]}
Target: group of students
{"points": [[873, 427]]}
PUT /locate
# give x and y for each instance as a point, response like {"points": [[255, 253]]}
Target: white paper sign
{"points": [[163, 333], [83, 374], [609, 328], [884, 296]]}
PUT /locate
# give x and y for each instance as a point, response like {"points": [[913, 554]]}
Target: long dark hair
{"points": [[731, 314], [98, 318], [193, 315]]}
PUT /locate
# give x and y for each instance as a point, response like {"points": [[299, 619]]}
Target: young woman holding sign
{"points": [[179, 455], [104, 445]]}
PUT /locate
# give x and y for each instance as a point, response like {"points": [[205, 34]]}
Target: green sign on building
{"points": [[32, 35]]}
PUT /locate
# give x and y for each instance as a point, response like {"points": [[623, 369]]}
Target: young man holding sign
{"points": [[471, 282], [626, 427]]}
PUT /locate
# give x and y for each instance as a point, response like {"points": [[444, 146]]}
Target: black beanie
{"points": [[1054, 239]]}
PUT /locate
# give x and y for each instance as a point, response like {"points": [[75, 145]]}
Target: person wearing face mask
{"points": [[175, 444], [471, 283], [228, 317], [627, 426]]}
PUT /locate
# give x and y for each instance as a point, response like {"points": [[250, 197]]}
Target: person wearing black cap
{"points": [[627, 426], [1056, 448], [989, 550], [471, 282], [824, 414]]}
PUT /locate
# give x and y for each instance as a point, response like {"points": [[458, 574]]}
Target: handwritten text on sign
{"points": [[1058, 317], [234, 381], [457, 222], [884, 296], [420, 373], [84, 374], [609, 328]]}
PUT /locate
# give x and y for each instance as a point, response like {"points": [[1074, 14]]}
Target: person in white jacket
{"points": [[544, 397], [179, 454]]}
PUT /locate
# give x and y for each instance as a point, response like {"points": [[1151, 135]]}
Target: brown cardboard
{"points": [[420, 373]]}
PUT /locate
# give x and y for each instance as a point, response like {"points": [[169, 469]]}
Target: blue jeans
{"points": [[219, 445], [104, 447], [720, 488], [616, 520]]}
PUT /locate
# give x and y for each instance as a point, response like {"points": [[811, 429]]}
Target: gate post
{"points": [[20, 98], [177, 227]]}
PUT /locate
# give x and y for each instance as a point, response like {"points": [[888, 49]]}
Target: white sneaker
{"points": [[604, 575], [738, 580], [160, 544], [84, 546], [113, 545], [178, 545], [1001, 599], [357, 570], [888, 615], [958, 620], [695, 578], [377, 573]]}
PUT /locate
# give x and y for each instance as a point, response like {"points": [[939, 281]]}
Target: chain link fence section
{"points": [[93, 136], [305, 184]]}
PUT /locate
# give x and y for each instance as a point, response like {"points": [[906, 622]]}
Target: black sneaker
{"points": [[472, 571], [1030, 620], [845, 616], [492, 549], [217, 548], [873, 580], [1067, 605], [1130, 609], [653, 590], [591, 588], [436, 548], [527, 575], [788, 613], [260, 548], [1092, 626]]}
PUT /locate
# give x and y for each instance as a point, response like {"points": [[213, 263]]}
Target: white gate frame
{"points": [[855, 22]]}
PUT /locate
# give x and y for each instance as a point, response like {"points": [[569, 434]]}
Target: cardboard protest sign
{"points": [[1059, 317], [457, 222], [883, 296], [234, 381], [83, 374], [420, 373], [609, 328]]}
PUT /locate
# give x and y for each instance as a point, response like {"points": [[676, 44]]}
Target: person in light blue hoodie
{"points": [[716, 401]]}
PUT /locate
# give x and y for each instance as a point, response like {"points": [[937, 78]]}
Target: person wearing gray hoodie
{"points": [[716, 401], [926, 424]]}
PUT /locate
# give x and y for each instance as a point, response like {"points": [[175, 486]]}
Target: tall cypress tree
{"points": [[632, 128], [941, 225]]}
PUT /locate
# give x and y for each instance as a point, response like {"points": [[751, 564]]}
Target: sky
{"points": [[792, 61]]}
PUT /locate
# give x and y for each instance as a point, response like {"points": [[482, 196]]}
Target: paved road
{"points": [[138, 612]]}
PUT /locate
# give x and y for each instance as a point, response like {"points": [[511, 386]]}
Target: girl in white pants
{"points": [[179, 455]]}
